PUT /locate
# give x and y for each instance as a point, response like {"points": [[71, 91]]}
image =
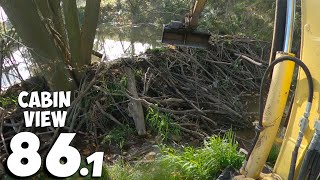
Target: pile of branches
{"points": [[200, 89], [12, 118]]}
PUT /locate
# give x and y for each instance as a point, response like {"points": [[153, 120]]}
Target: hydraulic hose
{"points": [[303, 126], [310, 154], [259, 127], [313, 148], [314, 171]]}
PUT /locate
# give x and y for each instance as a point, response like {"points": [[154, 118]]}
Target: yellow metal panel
{"points": [[273, 111], [311, 57], [195, 14]]}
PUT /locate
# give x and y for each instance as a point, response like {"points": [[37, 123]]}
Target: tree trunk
{"points": [[31, 29], [135, 107], [73, 30], [88, 29]]}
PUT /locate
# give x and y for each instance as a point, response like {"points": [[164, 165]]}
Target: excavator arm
{"points": [[299, 156], [185, 33], [192, 20]]}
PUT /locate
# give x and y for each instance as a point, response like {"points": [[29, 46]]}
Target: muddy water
{"points": [[245, 136]]}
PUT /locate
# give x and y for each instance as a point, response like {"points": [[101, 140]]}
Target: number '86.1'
{"points": [[25, 160]]}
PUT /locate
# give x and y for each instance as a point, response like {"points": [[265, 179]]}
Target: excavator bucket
{"points": [[176, 34]]}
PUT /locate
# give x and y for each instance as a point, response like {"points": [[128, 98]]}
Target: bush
{"points": [[207, 162], [118, 136], [161, 124]]}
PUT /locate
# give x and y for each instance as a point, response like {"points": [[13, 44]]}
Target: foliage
{"points": [[141, 171], [273, 155], [147, 11], [189, 163], [57, 43], [118, 136], [161, 123], [207, 162], [242, 17], [5, 102], [117, 86], [76, 176]]}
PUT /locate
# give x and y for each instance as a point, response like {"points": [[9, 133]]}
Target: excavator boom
{"points": [[299, 156], [192, 21], [185, 33]]}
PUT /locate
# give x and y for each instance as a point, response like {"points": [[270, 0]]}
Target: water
{"points": [[10, 75], [112, 40]]}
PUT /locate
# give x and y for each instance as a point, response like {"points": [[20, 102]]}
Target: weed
{"points": [[189, 163], [124, 81], [138, 73], [207, 162], [161, 124], [118, 136], [156, 50], [273, 155], [141, 171], [8, 101], [76, 176]]}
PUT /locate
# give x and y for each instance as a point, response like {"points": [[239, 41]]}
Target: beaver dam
{"points": [[187, 95]]}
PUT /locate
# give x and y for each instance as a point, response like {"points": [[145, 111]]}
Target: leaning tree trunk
{"points": [[135, 106]]}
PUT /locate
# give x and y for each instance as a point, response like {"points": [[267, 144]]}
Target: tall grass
{"points": [[273, 155], [202, 163], [140, 171], [207, 162], [161, 123]]}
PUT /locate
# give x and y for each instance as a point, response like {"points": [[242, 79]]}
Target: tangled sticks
{"points": [[201, 90]]}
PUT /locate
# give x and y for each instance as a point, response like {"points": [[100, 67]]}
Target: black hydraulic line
{"points": [[314, 171], [312, 154], [306, 165], [259, 128], [293, 161], [308, 158]]}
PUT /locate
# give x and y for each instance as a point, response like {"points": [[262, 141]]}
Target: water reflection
{"points": [[119, 35], [15, 73], [114, 41]]}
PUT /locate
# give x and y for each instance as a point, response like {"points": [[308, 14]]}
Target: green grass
{"points": [[206, 162], [273, 155], [140, 171], [8, 101], [118, 136], [202, 163], [161, 123]]}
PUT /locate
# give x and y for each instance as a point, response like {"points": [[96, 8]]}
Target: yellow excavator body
{"points": [[299, 156], [310, 55]]}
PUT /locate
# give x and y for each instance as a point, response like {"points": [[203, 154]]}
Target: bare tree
{"points": [[51, 30]]}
